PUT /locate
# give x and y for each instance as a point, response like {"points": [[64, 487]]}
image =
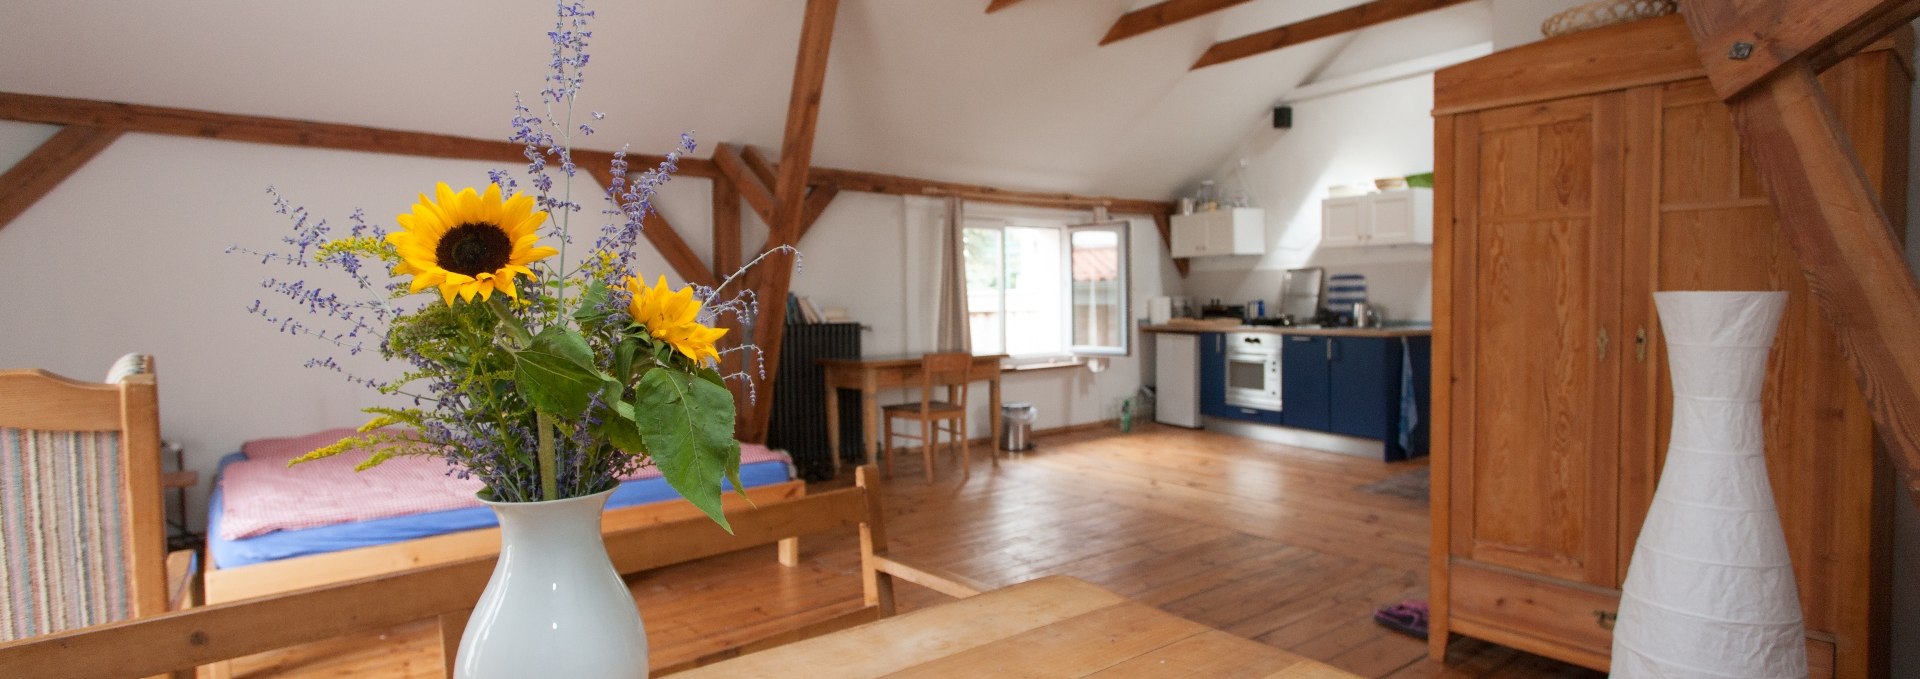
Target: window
{"points": [[1040, 290]]}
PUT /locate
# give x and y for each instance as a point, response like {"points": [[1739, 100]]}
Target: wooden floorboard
{"points": [[1272, 543]]}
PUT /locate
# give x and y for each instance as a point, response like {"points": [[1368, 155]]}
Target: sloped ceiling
{"points": [[1023, 98]]}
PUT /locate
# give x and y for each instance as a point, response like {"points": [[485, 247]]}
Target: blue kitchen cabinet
{"points": [[1305, 372], [1364, 380], [1213, 375]]}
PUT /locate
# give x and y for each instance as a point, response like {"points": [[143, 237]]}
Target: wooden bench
{"points": [[447, 592]]}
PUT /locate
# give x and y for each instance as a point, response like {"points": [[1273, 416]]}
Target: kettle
{"points": [[1365, 315]]}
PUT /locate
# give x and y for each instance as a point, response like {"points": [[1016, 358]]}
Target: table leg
{"points": [[993, 416], [869, 416], [833, 427]]}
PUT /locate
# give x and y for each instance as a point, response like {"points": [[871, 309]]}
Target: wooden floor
{"points": [[1276, 544]]}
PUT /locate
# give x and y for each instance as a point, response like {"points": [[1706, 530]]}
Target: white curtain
{"points": [[955, 334]]}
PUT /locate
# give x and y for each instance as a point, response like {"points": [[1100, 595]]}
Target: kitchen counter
{"points": [[1409, 330]]}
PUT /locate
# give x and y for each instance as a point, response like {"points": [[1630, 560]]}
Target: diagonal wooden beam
{"points": [[998, 5], [286, 131], [1349, 19], [758, 162], [789, 191], [726, 228], [1162, 15], [1830, 215], [757, 194], [817, 201], [51, 163], [1164, 224], [1776, 34]]}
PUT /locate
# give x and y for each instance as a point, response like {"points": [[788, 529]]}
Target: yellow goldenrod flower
{"points": [[670, 317], [467, 243]]}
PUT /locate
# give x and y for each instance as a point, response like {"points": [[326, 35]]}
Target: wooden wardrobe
{"points": [[1575, 177]]}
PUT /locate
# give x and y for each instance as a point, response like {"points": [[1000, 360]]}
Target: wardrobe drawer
{"points": [[1575, 621]]}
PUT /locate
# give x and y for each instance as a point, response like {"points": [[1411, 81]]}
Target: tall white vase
{"points": [[1710, 590], [554, 607]]}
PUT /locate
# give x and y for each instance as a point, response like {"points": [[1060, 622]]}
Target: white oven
{"points": [[1253, 370]]}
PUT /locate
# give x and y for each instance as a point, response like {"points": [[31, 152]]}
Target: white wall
{"points": [[126, 255], [1384, 130]]}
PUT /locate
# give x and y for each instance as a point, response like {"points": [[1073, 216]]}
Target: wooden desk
{"points": [[1052, 627], [869, 375]]}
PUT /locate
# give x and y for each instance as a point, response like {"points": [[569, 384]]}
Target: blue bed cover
{"points": [[288, 544]]}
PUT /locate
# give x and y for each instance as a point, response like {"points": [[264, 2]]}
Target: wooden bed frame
{"points": [[224, 585]]}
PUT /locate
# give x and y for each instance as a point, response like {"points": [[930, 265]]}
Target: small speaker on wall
{"points": [[1282, 117]]}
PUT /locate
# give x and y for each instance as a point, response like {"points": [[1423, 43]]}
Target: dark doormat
{"points": [[1411, 485]]}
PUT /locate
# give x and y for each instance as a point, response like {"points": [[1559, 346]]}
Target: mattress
{"points": [[292, 543]]}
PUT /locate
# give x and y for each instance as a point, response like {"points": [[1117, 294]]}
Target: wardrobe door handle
{"points": [[1640, 344]]}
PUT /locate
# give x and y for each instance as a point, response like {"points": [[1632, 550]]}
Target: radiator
{"points": [[799, 422]]}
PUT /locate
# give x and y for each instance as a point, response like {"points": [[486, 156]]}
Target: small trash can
{"points": [[1016, 426]]}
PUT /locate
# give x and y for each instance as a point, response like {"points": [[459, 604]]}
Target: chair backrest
{"points": [[82, 536], [198, 636], [948, 369]]}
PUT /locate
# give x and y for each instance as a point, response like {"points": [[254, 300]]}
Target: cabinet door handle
{"points": [[1602, 342], [1640, 345], [1329, 348]]}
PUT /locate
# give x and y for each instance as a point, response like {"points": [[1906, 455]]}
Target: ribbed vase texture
{"points": [[555, 607], [1710, 591]]}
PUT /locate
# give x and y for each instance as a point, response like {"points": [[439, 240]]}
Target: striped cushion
{"points": [[62, 552]]}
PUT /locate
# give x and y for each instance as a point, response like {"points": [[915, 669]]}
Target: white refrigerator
{"points": [[1176, 375]]}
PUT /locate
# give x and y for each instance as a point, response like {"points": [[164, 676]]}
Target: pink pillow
{"points": [[284, 449]]}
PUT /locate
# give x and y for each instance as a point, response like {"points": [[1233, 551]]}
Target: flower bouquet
{"points": [[542, 381], [545, 378]]}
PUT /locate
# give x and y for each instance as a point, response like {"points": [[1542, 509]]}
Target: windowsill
{"points": [[1049, 365]]}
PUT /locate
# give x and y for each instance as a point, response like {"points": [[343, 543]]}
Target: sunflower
{"points": [[468, 243], [670, 317]]}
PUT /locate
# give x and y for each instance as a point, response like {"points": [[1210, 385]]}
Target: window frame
{"points": [[1066, 225]]}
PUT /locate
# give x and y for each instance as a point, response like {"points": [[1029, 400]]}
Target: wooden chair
{"points": [[447, 592], [81, 488], [950, 415]]}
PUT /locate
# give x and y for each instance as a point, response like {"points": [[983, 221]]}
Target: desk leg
{"points": [[993, 416], [870, 416], [833, 428]]}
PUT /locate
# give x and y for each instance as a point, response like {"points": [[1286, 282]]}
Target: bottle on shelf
{"points": [[1208, 198]]}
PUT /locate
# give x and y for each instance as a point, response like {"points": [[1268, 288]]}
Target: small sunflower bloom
{"points": [[469, 243], [670, 317]]}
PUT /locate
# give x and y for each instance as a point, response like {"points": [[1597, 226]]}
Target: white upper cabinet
{"points": [[1387, 218], [1230, 231]]}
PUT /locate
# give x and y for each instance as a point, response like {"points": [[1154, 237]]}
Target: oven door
{"points": [[1253, 379]]}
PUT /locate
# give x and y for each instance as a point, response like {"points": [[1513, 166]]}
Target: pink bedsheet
{"points": [[262, 494]]}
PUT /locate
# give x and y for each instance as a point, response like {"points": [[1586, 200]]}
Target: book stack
{"points": [[800, 310]]}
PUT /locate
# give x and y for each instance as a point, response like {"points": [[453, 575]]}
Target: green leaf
{"points": [[591, 302], [565, 343], [623, 359], [553, 384], [618, 428], [687, 424]]}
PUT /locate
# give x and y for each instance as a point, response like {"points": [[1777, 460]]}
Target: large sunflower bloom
{"points": [[670, 317], [469, 244]]}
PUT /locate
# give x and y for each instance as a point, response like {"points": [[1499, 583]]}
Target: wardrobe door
{"points": [[1705, 223], [1534, 363]]}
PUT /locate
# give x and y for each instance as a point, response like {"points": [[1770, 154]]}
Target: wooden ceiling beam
{"points": [[1778, 33], [1162, 15], [757, 161], [775, 278], [875, 182], [817, 201], [1349, 19], [758, 195], [727, 244], [49, 164], [1828, 209], [1163, 223], [998, 5], [181, 122]]}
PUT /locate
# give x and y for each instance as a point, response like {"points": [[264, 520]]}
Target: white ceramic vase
{"points": [[554, 607], [1710, 590]]}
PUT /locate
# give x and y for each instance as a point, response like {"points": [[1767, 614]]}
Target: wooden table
{"points": [[1052, 627], [870, 374]]}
